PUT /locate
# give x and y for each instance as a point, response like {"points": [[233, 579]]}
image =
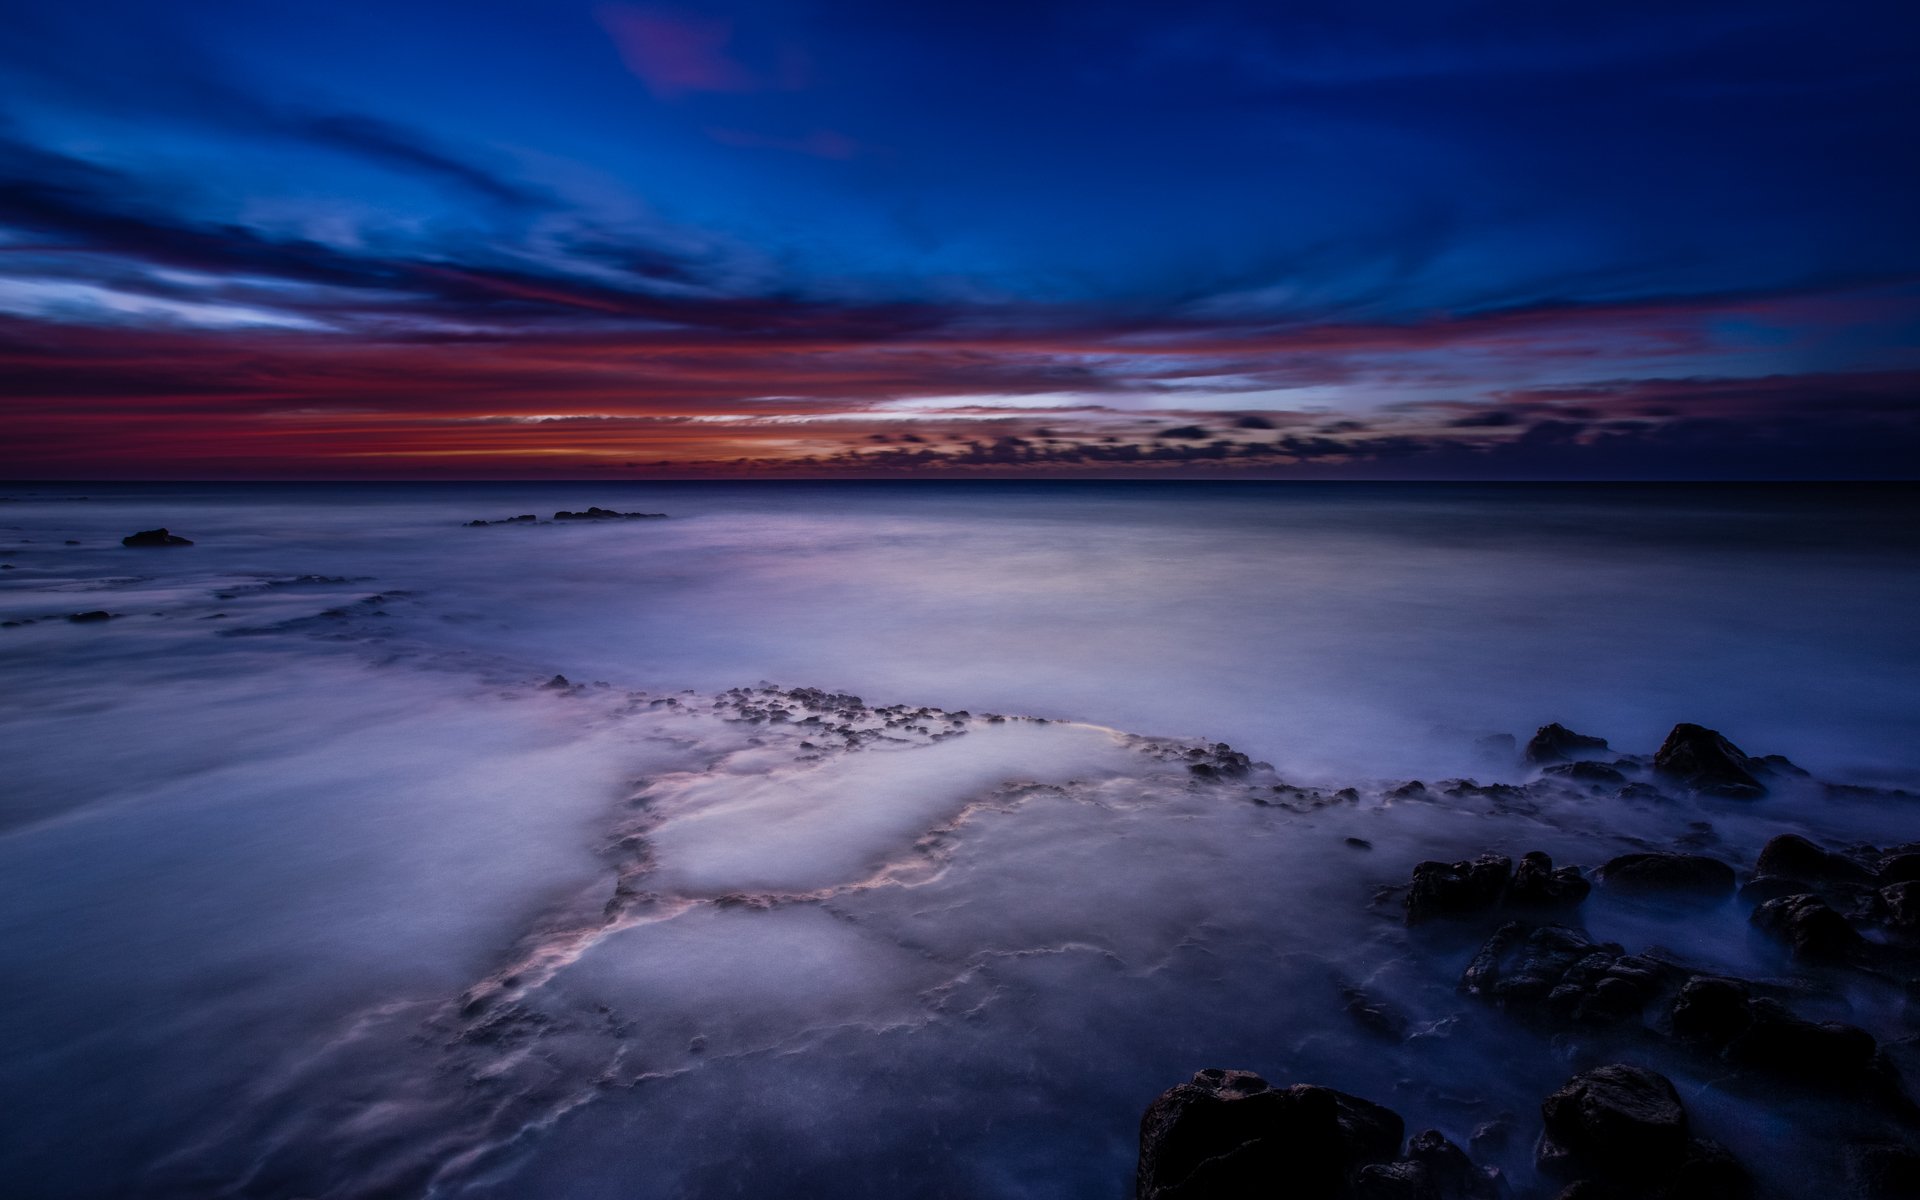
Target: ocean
{"points": [[842, 838]]}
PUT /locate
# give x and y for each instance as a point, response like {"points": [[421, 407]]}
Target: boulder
{"points": [[1711, 1010], [1900, 905], [1709, 763], [1778, 1043], [1810, 927], [1453, 889], [1561, 974], [1230, 1133], [1434, 1169], [1612, 1122], [1791, 856], [1536, 884], [154, 537], [1556, 743], [1903, 867], [1680, 874]]}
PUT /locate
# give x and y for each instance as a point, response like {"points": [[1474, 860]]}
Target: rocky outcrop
{"points": [[1671, 874], [1556, 743], [596, 513], [1710, 764], [1791, 856], [1560, 974], [1810, 927], [522, 519], [90, 616], [154, 537], [1620, 1130], [1230, 1134], [1491, 881]]}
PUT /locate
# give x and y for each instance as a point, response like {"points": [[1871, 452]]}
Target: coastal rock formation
{"points": [[154, 537], [1672, 874], [596, 513], [87, 618], [1553, 972], [1711, 765], [1620, 1130], [1556, 743], [1490, 881], [522, 519], [1810, 927], [1231, 1134]]}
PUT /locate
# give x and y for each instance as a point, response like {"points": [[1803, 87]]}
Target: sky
{"points": [[1370, 239]]}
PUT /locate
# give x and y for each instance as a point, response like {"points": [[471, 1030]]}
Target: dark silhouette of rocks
{"points": [[1560, 974], [522, 519], [87, 618], [1810, 927], [1709, 763], [1228, 1134], [1538, 884], [154, 537], [1794, 857], [1491, 881], [1556, 743], [1673, 874], [596, 513], [1620, 1130]]}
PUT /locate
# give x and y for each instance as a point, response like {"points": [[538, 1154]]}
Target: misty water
{"points": [[314, 883]]}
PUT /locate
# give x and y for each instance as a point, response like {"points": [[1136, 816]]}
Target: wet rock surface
{"points": [[1708, 763], [1556, 743], [1679, 875], [1492, 881]]}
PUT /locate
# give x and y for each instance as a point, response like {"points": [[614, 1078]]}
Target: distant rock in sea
{"points": [[595, 513], [154, 537]]}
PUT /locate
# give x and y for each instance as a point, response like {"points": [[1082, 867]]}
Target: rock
{"points": [[1711, 1010], [1900, 905], [1883, 1171], [154, 537], [1556, 743], [1359, 843], [1810, 927], [1779, 1043], [87, 618], [1587, 771], [1561, 973], [596, 513], [1613, 1122], [1374, 1015], [1900, 868], [1536, 884], [1230, 1133], [522, 519], [559, 683], [1793, 857], [1452, 889], [1709, 763], [1684, 874], [1434, 1169]]}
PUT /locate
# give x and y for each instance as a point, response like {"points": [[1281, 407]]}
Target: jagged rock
{"points": [[1682, 874], [1793, 857], [1451, 889], [1883, 1171], [1556, 743], [1587, 771], [1230, 1133], [1536, 884], [1779, 1043], [1434, 1169], [1810, 927], [1561, 973], [154, 537], [1902, 867], [1711, 1010], [596, 513], [1709, 763], [1900, 905], [1613, 1121]]}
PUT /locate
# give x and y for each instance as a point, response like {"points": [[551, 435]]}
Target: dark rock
{"points": [[1779, 1043], [1900, 905], [1883, 1171], [1587, 771], [1359, 843], [154, 537], [1556, 743], [1810, 927], [1452, 889], [1709, 763], [596, 513], [1562, 974], [559, 683], [1536, 884], [522, 519], [1434, 1169], [1794, 857], [1613, 1122], [1903, 867], [87, 618], [1374, 1015], [1229, 1133], [1684, 874], [1711, 1010]]}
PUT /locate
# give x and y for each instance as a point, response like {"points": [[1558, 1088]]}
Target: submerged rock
{"points": [[1709, 763], [1810, 927], [1678, 874], [1230, 1133], [1556, 743], [154, 537]]}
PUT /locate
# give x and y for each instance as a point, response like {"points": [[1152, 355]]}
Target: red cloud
{"points": [[676, 54]]}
